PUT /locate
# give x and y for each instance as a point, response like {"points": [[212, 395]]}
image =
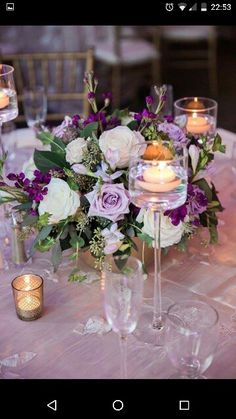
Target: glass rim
{"points": [[32, 289], [191, 98], [189, 329], [11, 69]]}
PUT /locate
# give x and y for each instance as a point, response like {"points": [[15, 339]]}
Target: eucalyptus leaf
{"points": [[89, 129], [47, 160], [56, 255]]}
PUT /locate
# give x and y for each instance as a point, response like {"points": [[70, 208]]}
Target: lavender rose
{"points": [[111, 202], [174, 132]]}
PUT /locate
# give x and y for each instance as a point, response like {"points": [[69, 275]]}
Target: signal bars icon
{"points": [[182, 6]]}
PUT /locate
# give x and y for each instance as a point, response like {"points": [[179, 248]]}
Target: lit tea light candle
{"points": [[160, 178], [28, 294], [4, 100], [198, 124]]}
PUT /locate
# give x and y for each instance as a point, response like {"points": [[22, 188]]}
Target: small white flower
{"points": [[113, 239], [170, 234], [60, 201], [75, 150]]}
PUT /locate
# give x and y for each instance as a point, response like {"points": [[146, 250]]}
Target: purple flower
{"points": [[75, 120], [196, 200], [169, 118], [36, 188], [95, 117], [91, 95], [146, 114], [111, 202], [107, 95], [163, 98], [174, 132], [149, 100], [178, 214]]}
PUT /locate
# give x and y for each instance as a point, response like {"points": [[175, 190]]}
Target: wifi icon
{"points": [[182, 6]]}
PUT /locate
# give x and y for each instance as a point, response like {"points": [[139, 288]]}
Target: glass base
{"points": [[146, 333]]}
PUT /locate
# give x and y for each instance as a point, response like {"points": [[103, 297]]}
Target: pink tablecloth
{"points": [[54, 346]]}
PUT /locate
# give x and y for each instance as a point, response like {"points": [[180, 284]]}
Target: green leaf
{"points": [[124, 247], [217, 145], [76, 242], [75, 277], [23, 207], [132, 125], [45, 245], [89, 129], [42, 235], [146, 238], [46, 137], [47, 160], [56, 255], [29, 220], [58, 146]]}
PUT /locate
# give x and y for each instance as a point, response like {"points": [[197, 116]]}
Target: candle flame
{"points": [[194, 114]]}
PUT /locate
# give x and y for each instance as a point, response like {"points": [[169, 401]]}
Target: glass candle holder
{"points": [[28, 296], [197, 114]]}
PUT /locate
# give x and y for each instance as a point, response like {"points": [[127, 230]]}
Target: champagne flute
{"points": [[157, 182], [35, 106], [123, 289]]}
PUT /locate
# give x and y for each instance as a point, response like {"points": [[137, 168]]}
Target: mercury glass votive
{"points": [[198, 115], [28, 296]]}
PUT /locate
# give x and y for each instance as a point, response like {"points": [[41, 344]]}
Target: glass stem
{"points": [[123, 353], [157, 309], [1, 143]]}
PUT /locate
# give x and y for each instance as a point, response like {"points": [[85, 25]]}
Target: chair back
{"points": [[61, 74]]}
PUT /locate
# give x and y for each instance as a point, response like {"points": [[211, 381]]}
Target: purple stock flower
{"points": [[95, 117], [149, 100], [169, 118], [111, 202], [107, 95], [91, 95], [144, 114], [174, 132], [75, 120], [36, 188]]}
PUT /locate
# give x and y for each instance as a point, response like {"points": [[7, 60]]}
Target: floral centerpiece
{"points": [[75, 192]]}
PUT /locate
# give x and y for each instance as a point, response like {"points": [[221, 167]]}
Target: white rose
{"points": [[60, 201], [75, 150], [194, 155], [29, 168], [170, 234], [118, 144]]}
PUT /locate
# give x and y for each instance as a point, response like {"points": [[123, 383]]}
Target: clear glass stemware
{"points": [[35, 105], [157, 182], [123, 280]]}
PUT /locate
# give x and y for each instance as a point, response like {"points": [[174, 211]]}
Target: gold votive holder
{"points": [[28, 296]]}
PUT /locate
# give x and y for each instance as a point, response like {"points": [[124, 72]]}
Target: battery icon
{"points": [[204, 7]]}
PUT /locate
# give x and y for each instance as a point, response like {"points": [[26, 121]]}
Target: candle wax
{"points": [[4, 100], [159, 174], [198, 124]]}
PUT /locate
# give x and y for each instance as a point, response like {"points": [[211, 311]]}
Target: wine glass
{"points": [[8, 99], [123, 289], [157, 182], [191, 337], [35, 105]]}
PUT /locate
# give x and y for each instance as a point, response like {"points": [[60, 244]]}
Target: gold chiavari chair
{"points": [[61, 74]]}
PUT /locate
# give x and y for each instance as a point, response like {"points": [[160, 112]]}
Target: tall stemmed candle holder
{"points": [[197, 114], [8, 98], [157, 182]]}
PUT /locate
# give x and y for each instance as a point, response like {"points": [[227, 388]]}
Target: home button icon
{"points": [[118, 405]]}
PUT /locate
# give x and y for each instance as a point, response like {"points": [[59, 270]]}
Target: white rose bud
{"points": [[194, 155], [75, 150], [60, 201]]}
